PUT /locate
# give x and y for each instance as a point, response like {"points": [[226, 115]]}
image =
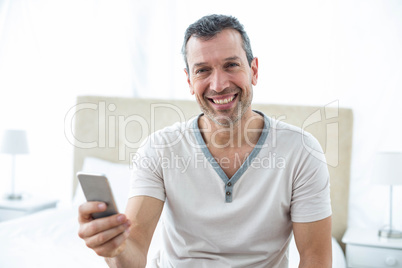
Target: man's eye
{"points": [[232, 64], [199, 71]]}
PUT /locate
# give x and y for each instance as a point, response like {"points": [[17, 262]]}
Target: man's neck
{"points": [[245, 132]]}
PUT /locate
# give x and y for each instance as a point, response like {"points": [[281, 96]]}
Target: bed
{"points": [[106, 133]]}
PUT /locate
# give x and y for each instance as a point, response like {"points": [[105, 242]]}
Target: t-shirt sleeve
{"points": [[311, 186], [147, 176]]}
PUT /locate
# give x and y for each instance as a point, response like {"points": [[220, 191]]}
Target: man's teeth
{"points": [[223, 101]]}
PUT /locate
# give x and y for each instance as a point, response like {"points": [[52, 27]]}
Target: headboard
{"points": [[111, 128]]}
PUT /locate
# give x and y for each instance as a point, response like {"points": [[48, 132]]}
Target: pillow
{"points": [[119, 179]]}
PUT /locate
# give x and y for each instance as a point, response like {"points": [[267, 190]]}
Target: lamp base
{"points": [[14, 196], [389, 233]]}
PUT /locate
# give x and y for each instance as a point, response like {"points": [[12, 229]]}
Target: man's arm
{"points": [[313, 241], [109, 238], [144, 213]]}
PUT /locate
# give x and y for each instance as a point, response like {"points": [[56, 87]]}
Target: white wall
{"points": [[50, 52]]}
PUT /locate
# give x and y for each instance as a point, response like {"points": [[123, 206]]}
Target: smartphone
{"points": [[96, 187]]}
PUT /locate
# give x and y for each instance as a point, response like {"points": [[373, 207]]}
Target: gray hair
{"points": [[209, 26]]}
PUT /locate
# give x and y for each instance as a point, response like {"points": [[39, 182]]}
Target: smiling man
{"points": [[221, 77], [229, 206]]}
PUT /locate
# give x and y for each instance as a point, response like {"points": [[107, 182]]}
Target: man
{"points": [[227, 207]]}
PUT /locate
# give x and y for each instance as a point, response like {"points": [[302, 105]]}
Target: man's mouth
{"points": [[224, 100]]}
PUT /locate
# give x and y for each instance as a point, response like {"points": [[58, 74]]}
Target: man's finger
{"points": [[94, 227], [113, 246], [103, 237], [86, 209]]}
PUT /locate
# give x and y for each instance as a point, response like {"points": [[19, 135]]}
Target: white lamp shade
{"points": [[14, 142], [388, 168]]}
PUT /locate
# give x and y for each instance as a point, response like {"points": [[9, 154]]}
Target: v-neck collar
{"points": [[229, 182]]}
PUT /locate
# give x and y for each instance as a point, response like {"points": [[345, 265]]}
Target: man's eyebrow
{"points": [[196, 65], [199, 64], [226, 59]]}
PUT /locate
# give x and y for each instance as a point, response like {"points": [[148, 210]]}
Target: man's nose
{"points": [[219, 81]]}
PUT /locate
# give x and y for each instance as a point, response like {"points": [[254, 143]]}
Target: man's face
{"points": [[220, 77]]}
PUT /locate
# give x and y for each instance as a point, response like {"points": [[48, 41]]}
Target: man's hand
{"points": [[122, 240], [106, 236]]}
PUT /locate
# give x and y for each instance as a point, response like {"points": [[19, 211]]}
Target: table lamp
{"points": [[388, 171], [14, 142]]}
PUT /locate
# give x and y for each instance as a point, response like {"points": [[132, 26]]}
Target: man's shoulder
{"points": [[176, 129], [174, 134], [282, 127], [287, 132]]}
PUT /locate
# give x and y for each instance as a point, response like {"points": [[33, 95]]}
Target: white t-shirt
{"points": [[210, 220]]}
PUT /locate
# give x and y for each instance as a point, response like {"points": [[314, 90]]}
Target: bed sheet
{"points": [[50, 239], [45, 239]]}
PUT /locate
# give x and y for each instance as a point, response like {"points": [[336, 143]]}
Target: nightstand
{"points": [[364, 248], [11, 209]]}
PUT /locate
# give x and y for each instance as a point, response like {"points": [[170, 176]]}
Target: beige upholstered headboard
{"points": [[112, 128]]}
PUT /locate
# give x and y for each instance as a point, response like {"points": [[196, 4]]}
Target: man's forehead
{"points": [[225, 44]]}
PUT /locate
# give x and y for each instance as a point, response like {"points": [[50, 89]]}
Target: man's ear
{"points": [[254, 71], [189, 82]]}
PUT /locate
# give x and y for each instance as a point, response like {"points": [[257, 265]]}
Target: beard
{"points": [[231, 116]]}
